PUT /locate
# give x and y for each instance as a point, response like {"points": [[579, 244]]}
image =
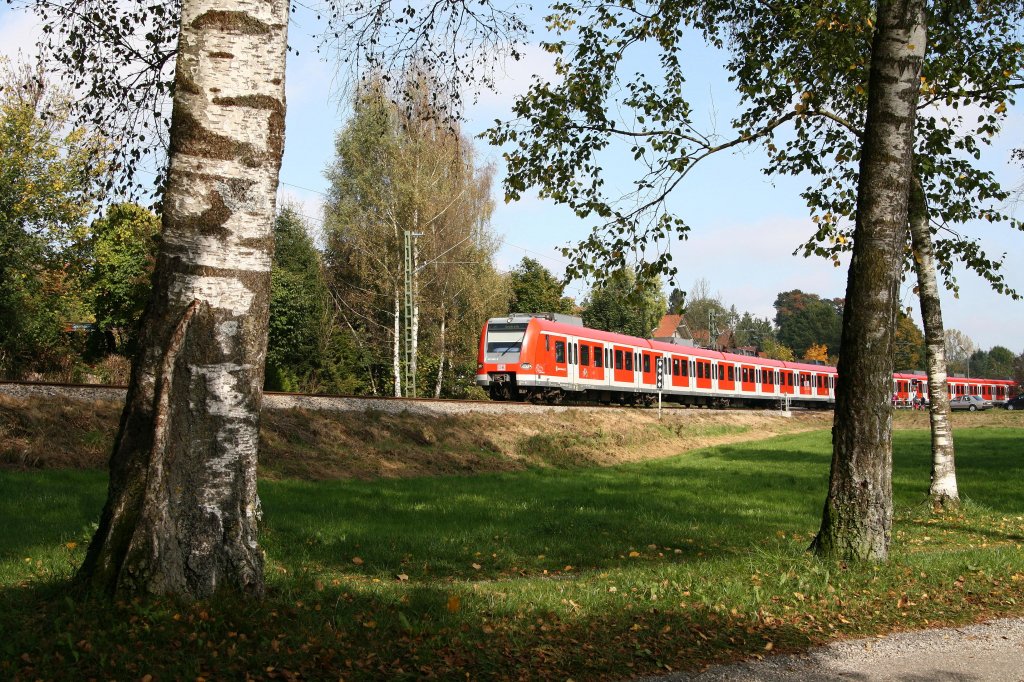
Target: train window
{"points": [[618, 359], [700, 370], [598, 357], [629, 362], [559, 351], [547, 344], [647, 363], [693, 369], [585, 355], [732, 373], [668, 368], [789, 379]]}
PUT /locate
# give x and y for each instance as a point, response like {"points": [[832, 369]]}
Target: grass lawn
{"points": [[586, 573]]}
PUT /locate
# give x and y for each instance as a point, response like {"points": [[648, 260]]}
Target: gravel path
{"points": [[989, 651]]}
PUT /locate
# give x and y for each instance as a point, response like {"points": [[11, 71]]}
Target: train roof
{"points": [[625, 339]]}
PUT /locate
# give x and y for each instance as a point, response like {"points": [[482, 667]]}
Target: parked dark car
{"points": [[1015, 403], [970, 402]]}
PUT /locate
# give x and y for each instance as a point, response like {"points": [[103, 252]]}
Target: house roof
{"points": [[668, 326]]}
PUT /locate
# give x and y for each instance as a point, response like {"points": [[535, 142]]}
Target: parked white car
{"points": [[970, 402]]}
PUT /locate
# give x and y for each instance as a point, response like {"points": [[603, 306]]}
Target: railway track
{"points": [[330, 403]]}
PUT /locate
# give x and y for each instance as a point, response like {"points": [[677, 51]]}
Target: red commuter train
{"points": [[547, 358]]}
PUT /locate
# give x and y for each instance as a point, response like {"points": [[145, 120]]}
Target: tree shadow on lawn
{"points": [[340, 632], [48, 508], [989, 467], [585, 518]]}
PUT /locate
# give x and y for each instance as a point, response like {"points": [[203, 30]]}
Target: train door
{"points": [[595, 370], [804, 381], [650, 368], [703, 374], [747, 377], [786, 381], [726, 376], [623, 358], [767, 377], [556, 357], [680, 371]]}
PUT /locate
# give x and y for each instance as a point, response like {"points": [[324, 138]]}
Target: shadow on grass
{"points": [[334, 633], [463, 544], [586, 518]]}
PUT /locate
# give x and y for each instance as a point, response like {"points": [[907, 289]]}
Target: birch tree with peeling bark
{"points": [[182, 509], [942, 489]]}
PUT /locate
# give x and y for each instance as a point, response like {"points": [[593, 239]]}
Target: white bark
{"points": [[396, 359], [192, 414], [443, 354], [943, 488]]}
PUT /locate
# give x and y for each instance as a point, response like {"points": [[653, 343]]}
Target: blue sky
{"points": [[730, 205]]}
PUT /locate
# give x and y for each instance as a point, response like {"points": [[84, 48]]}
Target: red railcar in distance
{"points": [[550, 357]]}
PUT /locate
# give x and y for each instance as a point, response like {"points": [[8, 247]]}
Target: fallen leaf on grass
{"points": [[454, 604], [357, 561]]}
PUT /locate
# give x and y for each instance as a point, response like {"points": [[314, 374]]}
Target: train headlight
{"points": [[526, 365]]}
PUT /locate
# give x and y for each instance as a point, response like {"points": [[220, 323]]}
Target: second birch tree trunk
{"points": [[943, 489], [396, 358]]}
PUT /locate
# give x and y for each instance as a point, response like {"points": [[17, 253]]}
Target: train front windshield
{"points": [[504, 341]]}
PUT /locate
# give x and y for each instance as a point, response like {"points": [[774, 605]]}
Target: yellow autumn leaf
{"points": [[634, 554], [454, 603], [357, 561]]}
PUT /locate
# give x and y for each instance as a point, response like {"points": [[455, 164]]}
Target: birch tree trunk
{"points": [[443, 353], [857, 518], [396, 356], [414, 326], [943, 489], [182, 507]]}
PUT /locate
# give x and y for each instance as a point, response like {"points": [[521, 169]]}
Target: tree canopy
{"points": [[804, 320], [625, 304], [536, 290], [47, 189]]}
